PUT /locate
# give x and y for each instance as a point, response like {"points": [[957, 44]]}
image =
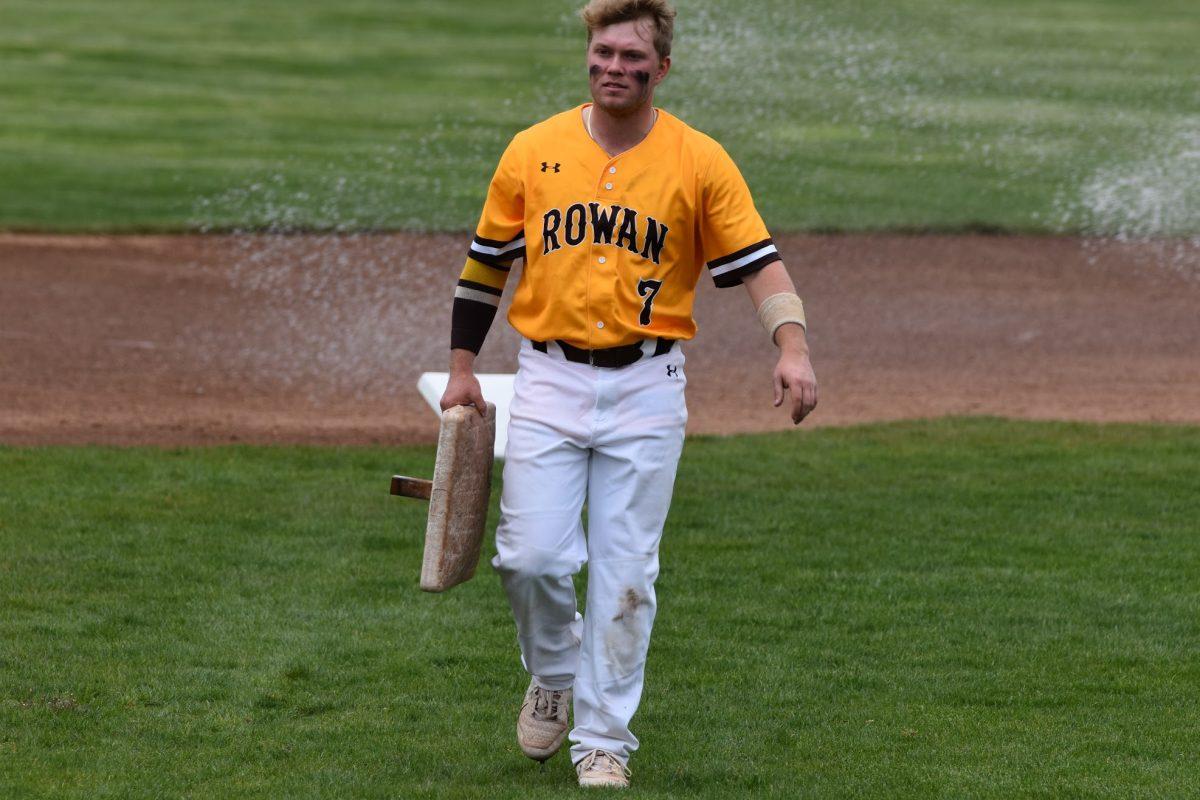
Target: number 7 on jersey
{"points": [[647, 288]]}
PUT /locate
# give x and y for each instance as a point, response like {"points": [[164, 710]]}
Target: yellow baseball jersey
{"points": [[613, 246]]}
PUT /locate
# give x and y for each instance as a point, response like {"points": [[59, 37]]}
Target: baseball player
{"points": [[616, 208]]}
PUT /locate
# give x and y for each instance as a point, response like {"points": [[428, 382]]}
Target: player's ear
{"points": [[664, 66]]}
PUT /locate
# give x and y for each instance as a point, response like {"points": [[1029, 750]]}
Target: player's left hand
{"points": [[794, 373]]}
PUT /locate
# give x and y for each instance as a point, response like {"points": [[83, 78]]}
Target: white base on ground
{"points": [[497, 388]]}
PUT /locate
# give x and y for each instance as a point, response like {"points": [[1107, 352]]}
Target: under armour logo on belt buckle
{"points": [[672, 371], [554, 166]]}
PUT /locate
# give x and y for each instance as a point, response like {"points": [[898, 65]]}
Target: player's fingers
{"points": [[478, 401], [810, 400], [805, 400], [458, 393], [778, 380]]}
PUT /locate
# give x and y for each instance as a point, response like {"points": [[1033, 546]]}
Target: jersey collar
{"points": [[644, 144]]}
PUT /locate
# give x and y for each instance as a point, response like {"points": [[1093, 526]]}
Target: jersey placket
{"points": [[602, 258]]}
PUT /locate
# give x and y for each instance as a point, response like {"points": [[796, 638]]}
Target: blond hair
{"points": [[602, 13]]}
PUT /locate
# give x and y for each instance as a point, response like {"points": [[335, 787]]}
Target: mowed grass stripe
{"points": [[966, 608], [921, 115]]}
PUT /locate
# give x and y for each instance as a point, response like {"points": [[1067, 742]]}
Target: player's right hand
{"points": [[463, 390]]}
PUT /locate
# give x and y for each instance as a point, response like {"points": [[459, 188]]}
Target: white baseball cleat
{"points": [[602, 768], [542, 723]]}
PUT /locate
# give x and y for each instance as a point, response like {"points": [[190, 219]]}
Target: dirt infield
{"points": [[189, 339]]}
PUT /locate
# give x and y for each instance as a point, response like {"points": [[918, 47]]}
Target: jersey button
{"points": [[599, 324], [612, 170], [608, 186], [603, 259]]}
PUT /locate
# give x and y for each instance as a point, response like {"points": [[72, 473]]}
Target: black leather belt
{"points": [[609, 357]]}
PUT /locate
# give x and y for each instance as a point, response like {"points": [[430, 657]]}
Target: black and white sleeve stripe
{"points": [[478, 292], [475, 303], [729, 270], [496, 253]]}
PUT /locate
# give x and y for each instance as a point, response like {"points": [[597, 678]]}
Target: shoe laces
{"points": [[546, 703], [604, 761]]}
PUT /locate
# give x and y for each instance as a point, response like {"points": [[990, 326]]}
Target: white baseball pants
{"points": [[612, 438]]}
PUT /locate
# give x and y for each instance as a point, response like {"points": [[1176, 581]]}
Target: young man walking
{"points": [[616, 207]]}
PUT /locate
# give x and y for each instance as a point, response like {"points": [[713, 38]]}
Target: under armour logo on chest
{"points": [[672, 371], [553, 166]]}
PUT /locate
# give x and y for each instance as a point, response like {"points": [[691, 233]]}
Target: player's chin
{"points": [[606, 97], [617, 106]]}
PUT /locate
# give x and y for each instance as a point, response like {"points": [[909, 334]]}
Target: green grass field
{"points": [[923, 114], [976, 608]]}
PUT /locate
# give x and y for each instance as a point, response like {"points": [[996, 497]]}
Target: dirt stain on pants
{"points": [[624, 645]]}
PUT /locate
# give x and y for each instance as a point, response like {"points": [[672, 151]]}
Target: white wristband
{"points": [[779, 309]]}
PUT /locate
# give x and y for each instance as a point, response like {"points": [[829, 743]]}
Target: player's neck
{"points": [[616, 134]]}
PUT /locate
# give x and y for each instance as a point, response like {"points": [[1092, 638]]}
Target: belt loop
{"points": [[539, 346]]}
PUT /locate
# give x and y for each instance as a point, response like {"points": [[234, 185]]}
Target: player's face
{"points": [[624, 67]]}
